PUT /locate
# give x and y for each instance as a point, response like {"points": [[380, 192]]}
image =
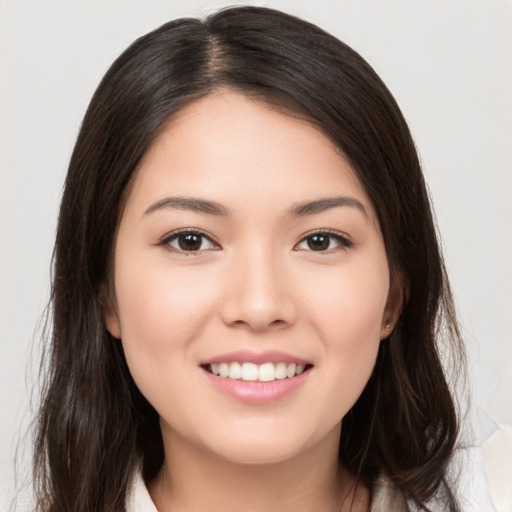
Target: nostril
{"points": [[260, 324], [278, 323], [257, 305]]}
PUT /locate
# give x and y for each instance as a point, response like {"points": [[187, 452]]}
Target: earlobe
{"points": [[386, 330], [394, 304], [110, 316]]}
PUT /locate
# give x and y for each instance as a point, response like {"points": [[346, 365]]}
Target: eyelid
{"points": [[166, 239], [343, 239]]}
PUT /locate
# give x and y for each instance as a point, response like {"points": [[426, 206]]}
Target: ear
{"points": [[396, 294], [110, 315]]}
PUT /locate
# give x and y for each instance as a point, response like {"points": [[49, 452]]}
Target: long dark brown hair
{"points": [[94, 427]]}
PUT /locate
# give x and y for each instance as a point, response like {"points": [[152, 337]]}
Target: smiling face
{"points": [[251, 282]]}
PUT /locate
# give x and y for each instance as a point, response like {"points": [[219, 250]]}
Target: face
{"points": [[251, 282]]}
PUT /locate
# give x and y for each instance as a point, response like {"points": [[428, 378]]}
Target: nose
{"points": [[258, 293]]}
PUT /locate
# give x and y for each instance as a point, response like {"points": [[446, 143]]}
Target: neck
{"points": [[193, 480]]}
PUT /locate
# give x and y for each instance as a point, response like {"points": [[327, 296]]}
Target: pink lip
{"points": [[253, 392], [269, 356]]}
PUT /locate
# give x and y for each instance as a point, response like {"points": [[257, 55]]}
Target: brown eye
{"points": [[318, 242], [323, 241], [189, 241]]}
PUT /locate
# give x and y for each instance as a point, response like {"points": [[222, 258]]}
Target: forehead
{"points": [[227, 142]]}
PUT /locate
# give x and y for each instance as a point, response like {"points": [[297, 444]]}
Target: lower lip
{"points": [[255, 392]]}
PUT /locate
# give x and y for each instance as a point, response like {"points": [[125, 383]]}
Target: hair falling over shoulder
{"points": [[94, 428]]}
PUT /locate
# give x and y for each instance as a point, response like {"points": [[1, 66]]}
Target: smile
{"points": [[251, 372], [256, 378]]}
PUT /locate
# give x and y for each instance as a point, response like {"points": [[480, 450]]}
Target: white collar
{"points": [[466, 471], [137, 496], [385, 497]]}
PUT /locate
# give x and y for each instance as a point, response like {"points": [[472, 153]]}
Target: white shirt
{"points": [[471, 490]]}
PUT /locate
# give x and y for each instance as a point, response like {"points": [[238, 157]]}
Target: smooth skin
{"points": [[218, 251]]}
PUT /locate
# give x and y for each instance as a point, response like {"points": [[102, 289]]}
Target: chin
{"points": [[264, 445], [261, 453]]}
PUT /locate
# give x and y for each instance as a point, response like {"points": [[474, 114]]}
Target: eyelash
{"points": [[166, 241], [342, 241]]}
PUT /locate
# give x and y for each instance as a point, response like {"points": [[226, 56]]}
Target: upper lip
{"points": [[243, 356]]}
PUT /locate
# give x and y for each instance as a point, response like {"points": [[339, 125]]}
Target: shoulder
{"points": [[469, 480], [137, 496], [466, 478], [497, 454], [385, 497]]}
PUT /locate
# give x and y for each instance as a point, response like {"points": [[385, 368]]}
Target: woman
{"points": [[248, 298]]}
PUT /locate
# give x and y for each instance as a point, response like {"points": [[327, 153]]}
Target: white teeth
{"points": [[223, 369], [235, 371], [266, 372], [281, 371], [249, 371]]}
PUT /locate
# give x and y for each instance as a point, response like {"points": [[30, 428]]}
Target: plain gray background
{"points": [[448, 63]]}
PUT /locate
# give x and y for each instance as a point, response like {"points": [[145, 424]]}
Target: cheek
{"points": [[347, 309], [348, 304], [161, 312]]}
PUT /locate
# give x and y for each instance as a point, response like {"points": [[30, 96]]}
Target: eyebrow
{"points": [[189, 203], [320, 205], [214, 208]]}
